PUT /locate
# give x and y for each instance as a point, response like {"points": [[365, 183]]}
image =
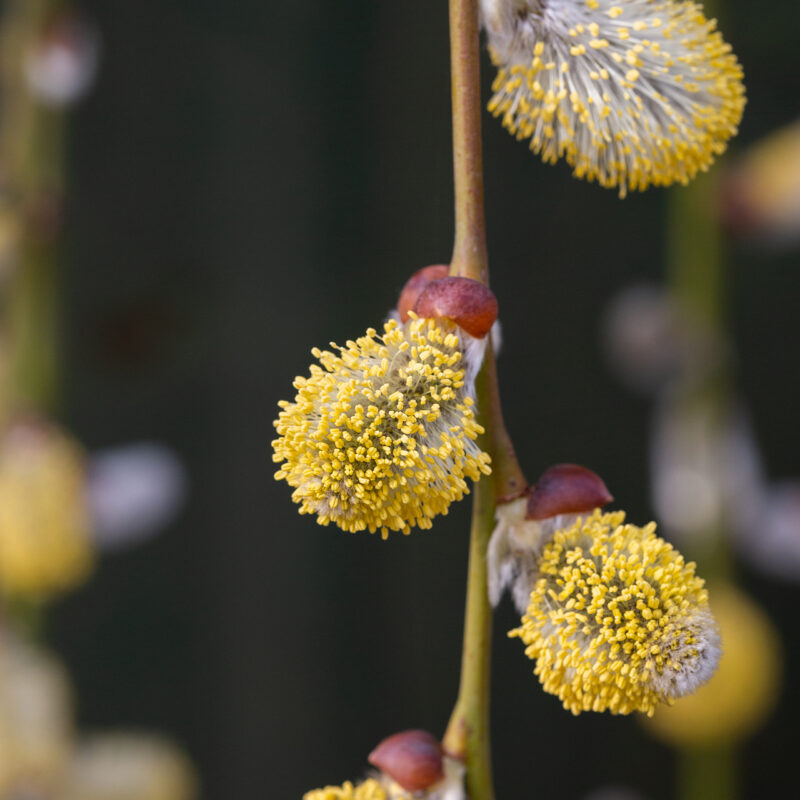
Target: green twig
{"points": [[469, 250], [467, 736], [707, 772], [31, 152]]}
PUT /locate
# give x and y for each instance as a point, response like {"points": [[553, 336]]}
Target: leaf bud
{"points": [[469, 303], [566, 489], [414, 286], [413, 759]]}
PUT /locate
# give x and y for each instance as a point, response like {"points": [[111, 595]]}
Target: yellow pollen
{"points": [[617, 621], [369, 789], [675, 89], [382, 435]]}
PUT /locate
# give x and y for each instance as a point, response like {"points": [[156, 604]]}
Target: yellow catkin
{"points": [[617, 621], [44, 528], [648, 92], [370, 789], [381, 435]]}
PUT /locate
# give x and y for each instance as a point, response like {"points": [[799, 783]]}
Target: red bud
{"points": [[736, 208], [566, 489], [415, 284], [470, 304], [411, 758]]}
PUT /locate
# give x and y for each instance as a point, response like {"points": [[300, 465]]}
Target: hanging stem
{"points": [[31, 149], [467, 735], [469, 250], [695, 251], [32, 159], [708, 772], [697, 282]]}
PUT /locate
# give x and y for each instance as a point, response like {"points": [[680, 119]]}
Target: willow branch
{"points": [[469, 250]]}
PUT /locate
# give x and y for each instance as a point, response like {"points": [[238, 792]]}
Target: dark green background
{"points": [[250, 179]]}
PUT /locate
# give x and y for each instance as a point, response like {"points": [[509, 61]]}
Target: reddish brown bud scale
{"points": [[414, 286], [566, 489], [470, 304], [736, 209], [412, 759]]}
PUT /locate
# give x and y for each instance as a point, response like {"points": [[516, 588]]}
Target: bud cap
{"points": [[470, 304], [412, 759], [566, 489], [415, 285]]}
